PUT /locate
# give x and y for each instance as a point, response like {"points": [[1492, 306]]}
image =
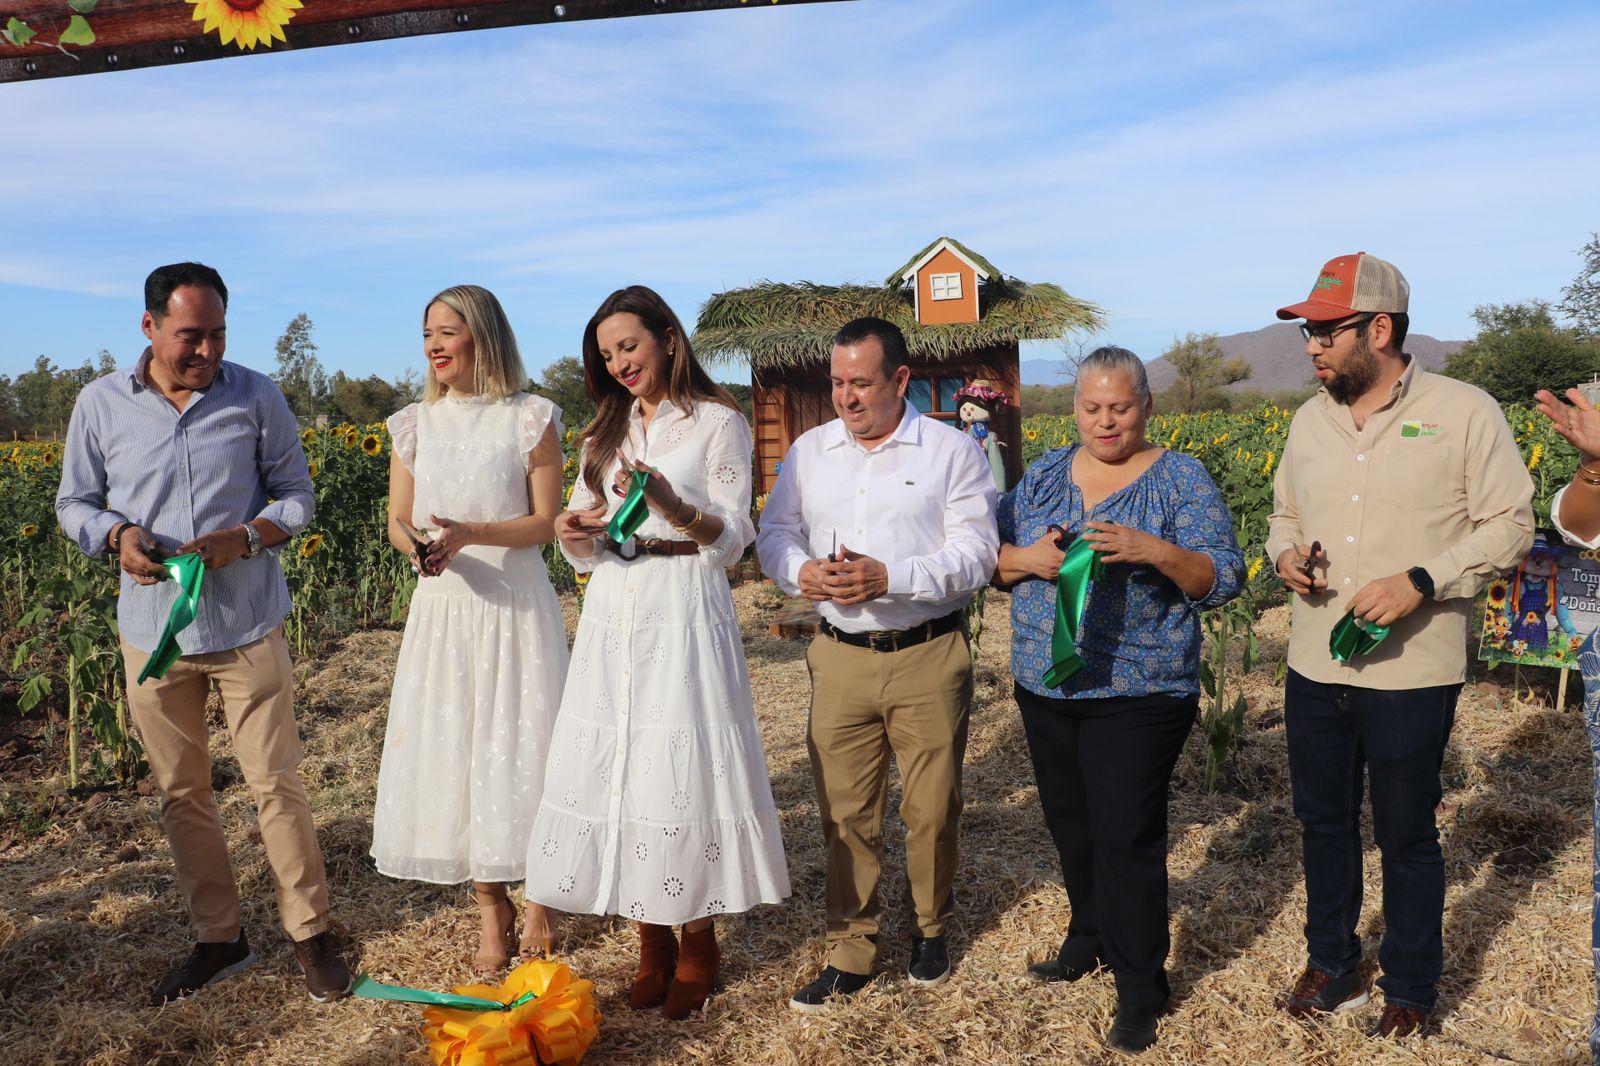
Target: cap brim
{"points": [[1315, 311]]}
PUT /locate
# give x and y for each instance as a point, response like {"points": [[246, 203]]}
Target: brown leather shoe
{"points": [[327, 977], [1399, 1021], [1319, 992], [697, 972], [658, 957]]}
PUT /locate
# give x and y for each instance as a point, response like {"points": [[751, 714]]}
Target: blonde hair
{"points": [[497, 364]]}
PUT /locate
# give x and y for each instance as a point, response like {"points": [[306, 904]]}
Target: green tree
{"points": [[300, 374], [1580, 300], [363, 400], [1520, 349], [1047, 399], [562, 382], [1204, 373]]}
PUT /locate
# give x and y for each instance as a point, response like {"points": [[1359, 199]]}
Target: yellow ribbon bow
{"points": [[552, 1027]]}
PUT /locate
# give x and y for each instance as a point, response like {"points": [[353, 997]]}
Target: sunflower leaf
{"points": [[83, 7], [18, 32], [78, 32]]}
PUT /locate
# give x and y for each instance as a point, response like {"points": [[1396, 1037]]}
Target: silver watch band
{"points": [[252, 539]]}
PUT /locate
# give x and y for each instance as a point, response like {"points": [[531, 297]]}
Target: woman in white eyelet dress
{"points": [[479, 675], [657, 804]]}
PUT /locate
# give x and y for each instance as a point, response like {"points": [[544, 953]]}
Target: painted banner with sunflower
{"points": [[1540, 613]]}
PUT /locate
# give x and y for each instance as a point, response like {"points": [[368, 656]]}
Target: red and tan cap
{"points": [[1350, 285]]}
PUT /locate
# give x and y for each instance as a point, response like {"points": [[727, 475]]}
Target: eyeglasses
{"points": [[1323, 333]]}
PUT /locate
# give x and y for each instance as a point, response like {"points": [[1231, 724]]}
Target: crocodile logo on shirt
{"points": [[1419, 429]]}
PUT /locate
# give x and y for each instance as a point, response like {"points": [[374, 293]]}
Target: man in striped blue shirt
{"points": [[185, 453]]}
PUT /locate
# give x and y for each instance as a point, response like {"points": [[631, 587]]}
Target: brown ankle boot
{"points": [[658, 952], [697, 972]]}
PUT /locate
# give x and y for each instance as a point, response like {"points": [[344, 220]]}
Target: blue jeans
{"points": [[1398, 737], [1589, 666]]}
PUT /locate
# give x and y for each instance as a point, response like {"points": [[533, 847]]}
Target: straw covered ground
{"points": [[90, 915]]}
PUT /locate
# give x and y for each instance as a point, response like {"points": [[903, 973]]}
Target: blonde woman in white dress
{"points": [[480, 670], [657, 804]]}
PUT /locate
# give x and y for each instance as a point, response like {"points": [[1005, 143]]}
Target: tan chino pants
{"points": [[256, 683], [864, 705]]}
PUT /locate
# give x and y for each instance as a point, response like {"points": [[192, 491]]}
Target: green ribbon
{"points": [[1079, 566], [370, 989], [187, 571], [1354, 636], [631, 515]]}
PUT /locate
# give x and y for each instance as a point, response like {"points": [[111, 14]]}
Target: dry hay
{"points": [[84, 936]]}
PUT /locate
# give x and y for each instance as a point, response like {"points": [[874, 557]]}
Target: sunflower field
{"points": [[57, 608]]}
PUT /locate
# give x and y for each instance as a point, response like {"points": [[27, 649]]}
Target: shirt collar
{"points": [[909, 431], [1399, 390], [139, 375], [636, 412]]}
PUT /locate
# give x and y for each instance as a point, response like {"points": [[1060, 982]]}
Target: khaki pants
{"points": [[865, 704], [256, 683]]}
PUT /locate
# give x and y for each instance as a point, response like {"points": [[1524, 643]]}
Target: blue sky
{"points": [[1187, 166]]}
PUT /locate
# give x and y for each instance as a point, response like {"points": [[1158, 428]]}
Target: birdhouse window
{"points": [[945, 286]]}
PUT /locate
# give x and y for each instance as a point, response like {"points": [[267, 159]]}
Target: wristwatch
{"points": [[1422, 581], [252, 541]]}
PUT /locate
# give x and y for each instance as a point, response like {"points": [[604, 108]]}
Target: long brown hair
{"points": [[687, 381]]}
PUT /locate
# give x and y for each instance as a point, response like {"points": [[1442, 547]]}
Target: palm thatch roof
{"points": [[785, 324]]}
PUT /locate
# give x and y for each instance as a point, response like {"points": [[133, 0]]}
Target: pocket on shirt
{"points": [[1417, 474]]}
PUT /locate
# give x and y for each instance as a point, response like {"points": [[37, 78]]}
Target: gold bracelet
{"points": [[673, 520], [688, 527], [1589, 474], [1592, 481]]}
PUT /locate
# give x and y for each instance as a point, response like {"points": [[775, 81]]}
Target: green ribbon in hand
{"points": [[187, 571], [631, 515], [1354, 636], [366, 987], [1080, 566]]}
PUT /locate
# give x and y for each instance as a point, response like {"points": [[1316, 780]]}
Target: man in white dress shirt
{"points": [[910, 504]]}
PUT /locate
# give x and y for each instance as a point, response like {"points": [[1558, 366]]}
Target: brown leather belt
{"points": [[895, 639], [653, 546]]}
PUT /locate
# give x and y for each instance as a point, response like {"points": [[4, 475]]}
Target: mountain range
{"points": [[1276, 355]]}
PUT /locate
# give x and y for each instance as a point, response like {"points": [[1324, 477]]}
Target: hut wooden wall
{"points": [[789, 401]]}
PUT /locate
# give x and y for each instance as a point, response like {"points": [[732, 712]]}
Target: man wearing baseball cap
{"points": [[1399, 495]]}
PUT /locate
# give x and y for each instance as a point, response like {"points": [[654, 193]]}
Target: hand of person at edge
{"points": [[1577, 421]]}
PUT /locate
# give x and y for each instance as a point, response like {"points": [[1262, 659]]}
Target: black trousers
{"points": [[1103, 768]]}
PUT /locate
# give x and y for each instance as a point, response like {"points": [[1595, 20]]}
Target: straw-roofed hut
{"points": [[963, 320]]}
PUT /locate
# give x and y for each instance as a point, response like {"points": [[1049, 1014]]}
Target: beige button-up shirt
{"points": [[1433, 479]]}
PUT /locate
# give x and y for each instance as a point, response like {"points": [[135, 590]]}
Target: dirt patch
{"points": [[90, 915]]}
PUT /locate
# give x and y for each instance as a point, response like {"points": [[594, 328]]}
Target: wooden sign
{"points": [[58, 38]]}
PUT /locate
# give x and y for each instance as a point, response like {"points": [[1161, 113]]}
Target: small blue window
{"points": [[948, 387], [920, 393]]}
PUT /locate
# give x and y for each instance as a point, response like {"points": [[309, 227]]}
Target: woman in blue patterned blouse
{"points": [[1104, 743]]}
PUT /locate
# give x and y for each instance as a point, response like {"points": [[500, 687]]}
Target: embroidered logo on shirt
{"points": [[1419, 429], [1326, 281]]}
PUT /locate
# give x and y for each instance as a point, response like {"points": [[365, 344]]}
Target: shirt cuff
{"points": [[97, 529], [1566, 535], [288, 515], [899, 578]]}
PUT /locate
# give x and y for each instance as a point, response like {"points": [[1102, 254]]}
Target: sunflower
{"points": [[1255, 568], [246, 23], [349, 439], [307, 435], [1031, 434], [314, 467], [311, 545], [1497, 593], [29, 530], [371, 444], [761, 502]]}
